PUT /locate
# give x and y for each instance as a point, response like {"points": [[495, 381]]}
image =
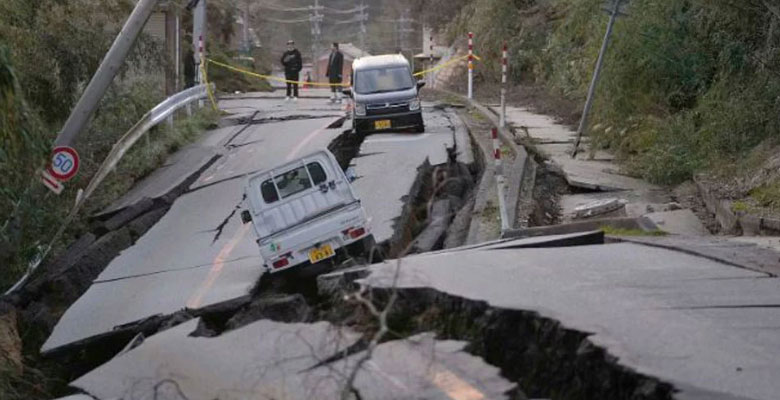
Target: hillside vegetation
{"points": [[688, 86], [49, 49]]}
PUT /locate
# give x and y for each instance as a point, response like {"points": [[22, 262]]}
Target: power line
{"points": [[280, 9], [286, 21]]}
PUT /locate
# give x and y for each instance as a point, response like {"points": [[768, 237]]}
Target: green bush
{"points": [[688, 86], [230, 81], [49, 49]]}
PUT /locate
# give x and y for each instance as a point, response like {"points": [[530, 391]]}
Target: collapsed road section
{"points": [[563, 317], [198, 261], [595, 321]]}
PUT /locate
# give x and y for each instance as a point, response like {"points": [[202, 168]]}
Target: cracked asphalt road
{"points": [[196, 255], [200, 254]]}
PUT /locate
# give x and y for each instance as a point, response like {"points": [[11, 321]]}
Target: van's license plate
{"points": [[323, 253], [382, 124]]}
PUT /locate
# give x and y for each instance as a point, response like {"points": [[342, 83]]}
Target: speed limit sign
{"points": [[64, 163]]}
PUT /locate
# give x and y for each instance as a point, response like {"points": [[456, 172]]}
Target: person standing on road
{"points": [[293, 64], [335, 71]]}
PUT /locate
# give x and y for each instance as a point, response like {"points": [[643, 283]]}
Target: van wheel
{"points": [[419, 128]]}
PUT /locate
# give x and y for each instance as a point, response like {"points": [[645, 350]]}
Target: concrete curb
{"points": [[514, 173], [735, 223], [640, 223], [485, 190]]}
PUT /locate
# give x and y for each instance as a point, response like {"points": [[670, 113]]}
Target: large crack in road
{"points": [[537, 355]]}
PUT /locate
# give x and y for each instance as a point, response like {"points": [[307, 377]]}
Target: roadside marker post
{"points": [[471, 66], [496, 151], [500, 182], [431, 76], [504, 67], [202, 68], [51, 182]]}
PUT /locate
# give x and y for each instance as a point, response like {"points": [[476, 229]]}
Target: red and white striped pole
{"points": [[200, 60], [496, 151], [471, 65], [432, 78], [201, 68], [504, 67], [500, 182]]}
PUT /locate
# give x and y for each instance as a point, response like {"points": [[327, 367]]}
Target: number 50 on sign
{"points": [[64, 163]]}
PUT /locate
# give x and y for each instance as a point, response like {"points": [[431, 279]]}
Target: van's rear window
{"points": [[293, 182]]}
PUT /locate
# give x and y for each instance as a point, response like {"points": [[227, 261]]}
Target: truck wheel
{"points": [[370, 250]]}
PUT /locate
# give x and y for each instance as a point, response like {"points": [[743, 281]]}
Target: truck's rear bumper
{"points": [[294, 245]]}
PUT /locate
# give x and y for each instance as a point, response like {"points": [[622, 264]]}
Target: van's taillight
{"points": [[281, 263]]}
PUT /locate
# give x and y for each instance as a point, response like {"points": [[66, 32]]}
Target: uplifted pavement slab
{"points": [[387, 167], [638, 202], [420, 367], [703, 326], [256, 361], [738, 253], [767, 242], [106, 306], [180, 167], [557, 142], [292, 361], [679, 222]]}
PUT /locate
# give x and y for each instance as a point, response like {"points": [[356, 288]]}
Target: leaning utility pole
{"points": [[404, 28], [246, 45], [363, 16], [199, 37], [596, 75], [105, 74], [316, 32]]}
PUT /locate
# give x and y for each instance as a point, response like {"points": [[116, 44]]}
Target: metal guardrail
{"points": [[159, 113]]}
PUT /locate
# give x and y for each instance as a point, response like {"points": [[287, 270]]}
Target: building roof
{"points": [[380, 61]]}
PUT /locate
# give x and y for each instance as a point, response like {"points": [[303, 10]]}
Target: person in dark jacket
{"points": [[335, 71], [293, 64]]}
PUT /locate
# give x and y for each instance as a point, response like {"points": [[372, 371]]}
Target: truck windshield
{"points": [[382, 80], [292, 182]]}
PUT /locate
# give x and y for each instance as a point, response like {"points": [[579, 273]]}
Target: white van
{"points": [[304, 212]]}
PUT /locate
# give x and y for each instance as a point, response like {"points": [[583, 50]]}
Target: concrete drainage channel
{"points": [[542, 357]]}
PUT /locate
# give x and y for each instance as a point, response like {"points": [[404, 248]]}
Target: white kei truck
{"points": [[305, 212]]}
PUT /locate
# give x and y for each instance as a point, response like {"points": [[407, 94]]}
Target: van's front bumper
{"points": [[398, 121]]}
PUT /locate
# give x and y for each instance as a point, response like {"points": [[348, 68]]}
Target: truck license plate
{"points": [[323, 253], [382, 124]]}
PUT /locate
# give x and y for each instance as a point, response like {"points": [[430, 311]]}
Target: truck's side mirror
{"points": [[246, 217], [420, 84], [347, 92]]}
